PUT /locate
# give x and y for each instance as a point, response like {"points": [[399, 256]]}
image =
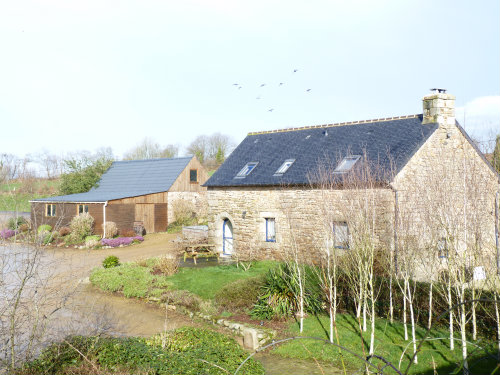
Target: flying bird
{"points": [[270, 110], [258, 97], [236, 84], [308, 90], [295, 70], [281, 83], [262, 85], [239, 88]]}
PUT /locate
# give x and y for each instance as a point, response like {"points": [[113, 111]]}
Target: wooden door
{"points": [[145, 212]]}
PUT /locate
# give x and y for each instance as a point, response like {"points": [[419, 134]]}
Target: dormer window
{"points": [[284, 167], [245, 171], [346, 164]]}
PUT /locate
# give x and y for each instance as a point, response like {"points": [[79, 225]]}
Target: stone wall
{"points": [[448, 191], [302, 216], [198, 199]]}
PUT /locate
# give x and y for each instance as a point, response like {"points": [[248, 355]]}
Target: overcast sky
{"points": [[79, 75]]}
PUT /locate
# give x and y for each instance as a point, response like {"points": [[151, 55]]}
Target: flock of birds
{"points": [[239, 87]]}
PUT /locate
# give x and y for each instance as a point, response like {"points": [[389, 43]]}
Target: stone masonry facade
{"points": [[302, 217], [446, 190]]}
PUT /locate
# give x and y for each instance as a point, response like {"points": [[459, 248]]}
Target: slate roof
{"points": [[130, 178], [388, 142]]}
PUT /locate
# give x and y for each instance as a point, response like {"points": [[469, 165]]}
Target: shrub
{"points": [[115, 242], [81, 227], [64, 231], [47, 237], [165, 265], [92, 241], [182, 298], [278, 294], [44, 228], [127, 233], [186, 351], [24, 227], [110, 228], [7, 233], [184, 211], [111, 261], [240, 294], [14, 223]]}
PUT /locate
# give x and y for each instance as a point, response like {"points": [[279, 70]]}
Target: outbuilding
{"points": [[132, 192]]}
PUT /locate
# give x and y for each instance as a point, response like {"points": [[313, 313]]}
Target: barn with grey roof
{"points": [[131, 192]]}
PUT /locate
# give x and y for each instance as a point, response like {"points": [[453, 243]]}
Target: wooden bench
{"points": [[202, 250]]}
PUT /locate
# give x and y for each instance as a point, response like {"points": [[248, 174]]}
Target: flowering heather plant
{"points": [[7, 233], [115, 242]]}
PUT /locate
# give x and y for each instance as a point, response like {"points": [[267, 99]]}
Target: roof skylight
{"points": [[245, 171], [284, 167], [346, 164]]}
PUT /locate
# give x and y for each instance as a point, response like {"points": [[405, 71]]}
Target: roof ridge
{"points": [[149, 160], [335, 124]]}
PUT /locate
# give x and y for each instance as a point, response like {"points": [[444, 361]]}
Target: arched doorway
{"points": [[227, 237]]}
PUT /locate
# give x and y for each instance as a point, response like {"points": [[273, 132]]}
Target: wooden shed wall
{"points": [[183, 183], [64, 213], [123, 215], [149, 198]]}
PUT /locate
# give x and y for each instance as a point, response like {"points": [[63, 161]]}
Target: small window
{"points": [[340, 235], [346, 164], [50, 210], [284, 167], [442, 247], [193, 175], [83, 208], [249, 167], [270, 230]]}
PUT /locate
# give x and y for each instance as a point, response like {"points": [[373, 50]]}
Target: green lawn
{"points": [[206, 282], [14, 196], [137, 280], [389, 343]]}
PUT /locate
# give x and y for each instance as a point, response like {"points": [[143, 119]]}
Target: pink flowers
{"points": [[7, 233], [115, 242]]}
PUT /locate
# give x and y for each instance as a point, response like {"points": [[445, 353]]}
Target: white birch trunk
{"points": [[364, 310], [452, 342], [474, 325], [391, 307], [372, 333], [429, 324], [464, 337], [404, 311], [412, 325]]}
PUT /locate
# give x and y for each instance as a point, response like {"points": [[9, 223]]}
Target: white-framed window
{"points": [[245, 171], [346, 164], [50, 210], [270, 229], [340, 232], [83, 208], [284, 167]]}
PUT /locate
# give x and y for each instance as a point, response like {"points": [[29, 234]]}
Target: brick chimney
{"points": [[439, 107]]}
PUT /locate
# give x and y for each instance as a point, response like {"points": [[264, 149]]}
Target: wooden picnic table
{"points": [[205, 250]]}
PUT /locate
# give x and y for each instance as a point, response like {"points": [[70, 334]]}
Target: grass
{"points": [[206, 282], [15, 195], [137, 280], [130, 279], [389, 343]]}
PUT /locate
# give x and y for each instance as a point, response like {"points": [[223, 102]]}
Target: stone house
{"points": [[302, 187], [133, 191]]}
